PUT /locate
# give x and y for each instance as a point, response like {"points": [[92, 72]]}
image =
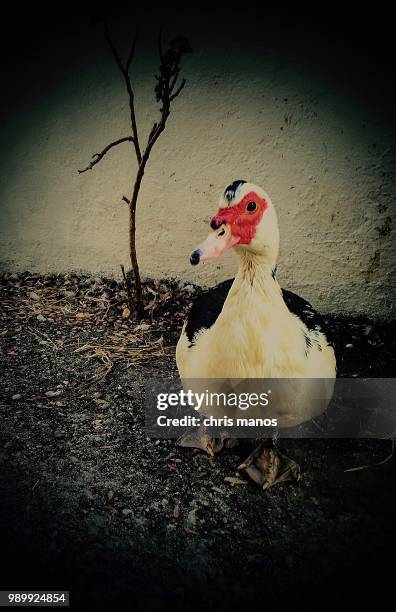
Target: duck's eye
{"points": [[251, 207], [221, 233]]}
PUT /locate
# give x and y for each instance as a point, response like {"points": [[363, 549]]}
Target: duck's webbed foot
{"points": [[199, 438], [267, 466]]}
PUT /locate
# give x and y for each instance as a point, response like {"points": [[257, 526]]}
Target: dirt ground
{"points": [[91, 505]]}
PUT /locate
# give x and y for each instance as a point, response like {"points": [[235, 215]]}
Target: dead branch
{"points": [[125, 73], [96, 157], [165, 93], [178, 90], [127, 287], [159, 42], [132, 52]]}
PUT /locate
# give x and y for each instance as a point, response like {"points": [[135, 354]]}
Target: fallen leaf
{"points": [[97, 423], [84, 315], [234, 481], [176, 511], [190, 531], [126, 313], [110, 494], [141, 327], [260, 541]]}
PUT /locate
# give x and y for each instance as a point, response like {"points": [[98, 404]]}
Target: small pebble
{"points": [[58, 434], [41, 318], [349, 345], [53, 393], [17, 396]]}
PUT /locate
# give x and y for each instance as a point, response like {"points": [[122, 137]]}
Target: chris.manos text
{"points": [[195, 421]]}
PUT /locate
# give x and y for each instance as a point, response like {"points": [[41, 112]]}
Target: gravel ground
{"points": [[90, 504]]}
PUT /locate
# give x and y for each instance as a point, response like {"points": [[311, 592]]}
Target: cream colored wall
{"points": [[323, 156]]}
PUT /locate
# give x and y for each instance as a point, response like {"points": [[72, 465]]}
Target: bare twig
{"points": [[125, 73], [178, 90], [114, 51], [132, 51], [127, 288], [173, 82], [159, 40], [377, 463], [96, 157]]}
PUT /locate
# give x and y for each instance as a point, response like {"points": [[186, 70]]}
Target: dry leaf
{"points": [[234, 481], [176, 511], [126, 313], [84, 315], [110, 494], [97, 423], [141, 327], [260, 541], [190, 531]]}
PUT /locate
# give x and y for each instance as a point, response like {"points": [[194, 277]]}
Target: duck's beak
{"points": [[217, 243]]}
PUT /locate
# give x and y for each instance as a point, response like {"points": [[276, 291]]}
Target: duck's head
{"points": [[245, 221]]}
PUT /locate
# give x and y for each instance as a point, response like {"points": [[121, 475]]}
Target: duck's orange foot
{"points": [[267, 466], [199, 439]]}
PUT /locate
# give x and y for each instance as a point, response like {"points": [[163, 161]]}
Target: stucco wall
{"points": [[254, 111]]}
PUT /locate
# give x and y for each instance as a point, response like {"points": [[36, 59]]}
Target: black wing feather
{"points": [[206, 308]]}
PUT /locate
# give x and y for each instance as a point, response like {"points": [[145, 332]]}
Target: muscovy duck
{"points": [[250, 327]]}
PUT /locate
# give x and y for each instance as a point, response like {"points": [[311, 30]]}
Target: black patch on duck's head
{"points": [[229, 192], [273, 272]]}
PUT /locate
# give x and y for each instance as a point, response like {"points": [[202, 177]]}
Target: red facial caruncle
{"points": [[243, 217], [232, 225]]}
